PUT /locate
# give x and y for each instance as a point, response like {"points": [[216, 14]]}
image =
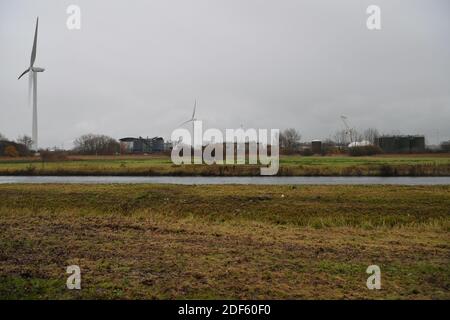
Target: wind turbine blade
{"points": [[195, 107], [33, 52], [185, 122], [23, 73]]}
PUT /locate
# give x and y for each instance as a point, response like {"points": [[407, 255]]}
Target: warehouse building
{"points": [[401, 144], [141, 145], [445, 146]]}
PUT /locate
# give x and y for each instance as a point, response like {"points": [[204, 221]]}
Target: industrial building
{"points": [[142, 145], [401, 144], [445, 146]]}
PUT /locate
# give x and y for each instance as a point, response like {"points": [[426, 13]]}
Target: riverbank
{"points": [[392, 165], [274, 242]]}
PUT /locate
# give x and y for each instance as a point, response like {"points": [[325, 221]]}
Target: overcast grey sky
{"points": [[135, 67]]}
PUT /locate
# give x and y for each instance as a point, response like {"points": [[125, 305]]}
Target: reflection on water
{"points": [[231, 180]]}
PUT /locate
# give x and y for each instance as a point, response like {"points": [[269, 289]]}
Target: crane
{"points": [[348, 129]]}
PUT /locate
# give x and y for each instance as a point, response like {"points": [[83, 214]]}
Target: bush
{"points": [[306, 152], [11, 151], [331, 150], [49, 156], [364, 151]]}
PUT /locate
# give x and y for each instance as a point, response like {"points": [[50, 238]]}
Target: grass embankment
{"points": [[417, 165], [160, 241]]}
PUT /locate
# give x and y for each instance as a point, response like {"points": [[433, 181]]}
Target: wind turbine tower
{"points": [[192, 119], [32, 87]]}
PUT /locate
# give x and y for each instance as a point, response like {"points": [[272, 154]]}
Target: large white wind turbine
{"points": [[32, 85], [192, 119]]}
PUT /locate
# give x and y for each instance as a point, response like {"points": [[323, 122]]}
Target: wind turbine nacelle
{"points": [[36, 69]]}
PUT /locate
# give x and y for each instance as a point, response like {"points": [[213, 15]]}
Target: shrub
{"points": [[331, 150], [11, 151], [49, 156], [306, 152], [364, 151]]}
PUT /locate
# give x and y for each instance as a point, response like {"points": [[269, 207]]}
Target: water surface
{"points": [[275, 180]]}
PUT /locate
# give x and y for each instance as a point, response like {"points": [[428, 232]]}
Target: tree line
{"points": [[96, 144], [20, 147], [290, 143], [87, 144]]}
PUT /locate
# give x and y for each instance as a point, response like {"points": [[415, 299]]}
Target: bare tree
{"points": [[371, 135], [94, 144], [345, 137], [290, 140], [355, 135], [26, 141], [341, 138]]}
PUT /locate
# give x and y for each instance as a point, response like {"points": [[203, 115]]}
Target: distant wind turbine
{"points": [[192, 119], [32, 87]]}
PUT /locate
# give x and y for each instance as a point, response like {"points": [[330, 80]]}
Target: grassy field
{"points": [[392, 165], [276, 242]]}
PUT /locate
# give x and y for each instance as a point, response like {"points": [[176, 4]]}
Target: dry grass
{"points": [[250, 242], [157, 165]]}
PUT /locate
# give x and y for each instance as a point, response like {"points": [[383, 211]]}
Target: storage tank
{"points": [[316, 146]]}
